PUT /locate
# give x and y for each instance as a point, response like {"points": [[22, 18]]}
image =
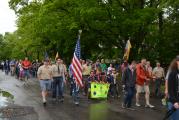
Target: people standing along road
{"points": [[44, 74], [173, 89], [158, 73], [6, 67], [128, 81], [142, 83], [12, 67]]}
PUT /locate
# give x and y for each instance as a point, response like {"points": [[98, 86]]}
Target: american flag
{"points": [[76, 65]]}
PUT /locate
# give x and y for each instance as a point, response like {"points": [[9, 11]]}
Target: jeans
{"points": [[175, 115], [75, 91], [26, 73], [57, 87], [114, 90], [158, 83], [85, 82], [128, 95]]}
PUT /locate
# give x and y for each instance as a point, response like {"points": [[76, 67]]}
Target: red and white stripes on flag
{"points": [[76, 65]]}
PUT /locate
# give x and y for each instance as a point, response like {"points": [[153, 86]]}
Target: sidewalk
{"points": [[88, 110]]}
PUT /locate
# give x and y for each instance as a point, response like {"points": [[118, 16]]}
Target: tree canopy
{"points": [[52, 25]]}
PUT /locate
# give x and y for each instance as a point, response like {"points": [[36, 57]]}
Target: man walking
{"points": [[158, 73], [86, 69], [44, 74], [58, 72], [26, 64], [128, 80], [142, 83]]}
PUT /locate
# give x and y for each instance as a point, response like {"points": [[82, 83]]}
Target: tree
{"points": [[52, 25]]}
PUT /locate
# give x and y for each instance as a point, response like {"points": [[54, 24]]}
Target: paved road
{"points": [[88, 109]]}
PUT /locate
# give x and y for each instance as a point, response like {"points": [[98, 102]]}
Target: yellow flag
{"points": [[127, 50], [57, 56]]}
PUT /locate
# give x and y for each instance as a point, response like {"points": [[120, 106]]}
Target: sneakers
{"points": [[137, 104], [44, 103], [76, 103], [149, 106], [123, 105]]}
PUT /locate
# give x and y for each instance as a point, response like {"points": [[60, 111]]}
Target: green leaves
{"points": [[53, 25]]}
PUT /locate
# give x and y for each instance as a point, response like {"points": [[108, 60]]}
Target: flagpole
{"points": [[79, 33]]}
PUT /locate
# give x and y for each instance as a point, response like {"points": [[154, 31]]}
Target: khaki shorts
{"points": [[144, 88]]}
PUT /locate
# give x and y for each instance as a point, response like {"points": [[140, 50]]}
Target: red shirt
{"points": [[142, 74], [26, 64]]}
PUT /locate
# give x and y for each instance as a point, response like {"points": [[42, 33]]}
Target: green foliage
{"points": [[52, 25]]}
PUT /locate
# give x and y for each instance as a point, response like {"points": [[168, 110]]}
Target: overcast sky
{"points": [[7, 18]]}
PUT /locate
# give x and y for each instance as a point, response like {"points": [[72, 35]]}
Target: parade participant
{"points": [[166, 82], [173, 89], [97, 65], [2, 65], [110, 68], [91, 78], [17, 69], [142, 82], [158, 73], [116, 82], [58, 72], [103, 66], [21, 70], [149, 69], [44, 74], [110, 80], [26, 64], [7, 67], [35, 66], [124, 66], [74, 87], [98, 74], [103, 77], [70, 75], [64, 76], [150, 76], [128, 81], [12, 67], [86, 69]]}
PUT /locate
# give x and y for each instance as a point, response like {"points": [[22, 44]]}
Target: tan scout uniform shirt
{"points": [[158, 72], [44, 72], [56, 73]]}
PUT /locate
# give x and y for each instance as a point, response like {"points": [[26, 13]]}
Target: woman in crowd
{"points": [[173, 89]]}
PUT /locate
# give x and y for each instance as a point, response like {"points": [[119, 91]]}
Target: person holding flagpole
{"points": [[76, 68]]}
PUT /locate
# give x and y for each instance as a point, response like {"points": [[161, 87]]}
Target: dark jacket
{"points": [[173, 86], [110, 79], [129, 79]]}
